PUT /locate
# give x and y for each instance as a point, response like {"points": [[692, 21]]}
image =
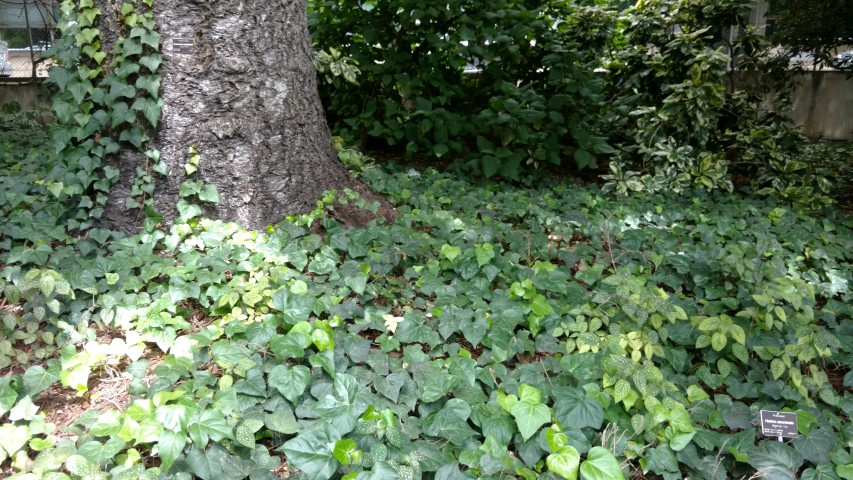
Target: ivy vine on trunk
{"points": [[236, 85]]}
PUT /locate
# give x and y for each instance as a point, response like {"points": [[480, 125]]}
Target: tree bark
{"points": [[239, 86]]}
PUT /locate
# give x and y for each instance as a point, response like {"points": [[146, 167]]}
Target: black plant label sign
{"points": [[779, 424], [183, 45]]}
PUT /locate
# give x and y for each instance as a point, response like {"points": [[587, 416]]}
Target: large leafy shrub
{"points": [[509, 83], [696, 108]]}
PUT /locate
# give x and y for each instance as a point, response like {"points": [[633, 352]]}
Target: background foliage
{"points": [[817, 28], [506, 88], [508, 84], [702, 110]]}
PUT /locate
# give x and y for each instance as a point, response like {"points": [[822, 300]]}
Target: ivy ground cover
{"points": [[489, 332]]}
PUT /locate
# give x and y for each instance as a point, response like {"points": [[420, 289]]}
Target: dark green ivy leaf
{"points": [[207, 464], [775, 460], [290, 381], [343, 407], [815, 446], [311, 451], [575, 410], [390, 385], [37, 379]]}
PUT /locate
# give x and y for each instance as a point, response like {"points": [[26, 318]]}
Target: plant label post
{"points": [[779, 424]]}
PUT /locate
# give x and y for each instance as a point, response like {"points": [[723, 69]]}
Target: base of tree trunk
{"points": [[239, 87]]}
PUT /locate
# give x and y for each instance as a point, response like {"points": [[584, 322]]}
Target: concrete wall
{"points": [[823, 104], [29, 95]]}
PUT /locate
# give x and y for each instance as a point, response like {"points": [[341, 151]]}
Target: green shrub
{"points": [[533, 99], [698, 110]]}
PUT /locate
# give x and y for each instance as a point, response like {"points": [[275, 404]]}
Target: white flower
{"points": [[391, 322]]}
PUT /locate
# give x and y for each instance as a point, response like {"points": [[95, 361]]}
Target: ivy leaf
{"points": [[529, 417], [600, 464], [13, 438], [344, 405], [429, 456], [174, 417], [574, 410], [450, 472], [294, 308], [739, 444], [151, 38], [292, 345], [448, 424], [60, 76], [324, 262], [7, 395], [79, 89], [323, 340], [450, 252], [390, 385], [208, 424], [661, 460], [151, 62], [540, 306], [815, 446], [150, 108], [484, 253], [735, 414], [499, 426], [97, 452], [188, 210], [435, 386], [529, 394], [135, 136], [311, 452], [565, 462], [24, 410], [232, 356], [346, 452], [282, 421], [127, 69], [209, 194], [207, 464], [121, 113], [259, 334], [290, 381], [150, 84], [845, 471], [775, 460], [170, 445]]}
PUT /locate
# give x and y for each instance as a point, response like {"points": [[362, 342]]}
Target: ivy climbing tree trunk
{"points": [[239, 86]]}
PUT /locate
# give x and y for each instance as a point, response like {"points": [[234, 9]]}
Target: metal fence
{"points": [[28, 27]]}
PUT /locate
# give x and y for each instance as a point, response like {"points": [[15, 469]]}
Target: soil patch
{"points": [[63, 407]]}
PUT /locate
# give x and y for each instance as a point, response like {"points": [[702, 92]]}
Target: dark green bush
{"points": [[532, 100]]}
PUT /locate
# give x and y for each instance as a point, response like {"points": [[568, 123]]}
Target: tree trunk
{"points": [[239, 86]]}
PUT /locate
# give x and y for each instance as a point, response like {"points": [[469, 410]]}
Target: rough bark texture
{"points": [[245, 96]]}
